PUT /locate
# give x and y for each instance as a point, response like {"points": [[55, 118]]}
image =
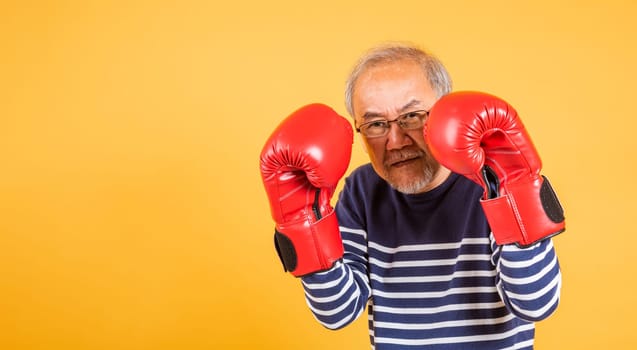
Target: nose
{"points": [[397, 137]]}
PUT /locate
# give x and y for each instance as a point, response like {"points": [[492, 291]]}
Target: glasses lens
{"points": [[375, 128], [413, 120]]}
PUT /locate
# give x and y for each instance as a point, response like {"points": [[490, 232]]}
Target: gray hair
{"points": [[435, 71]]}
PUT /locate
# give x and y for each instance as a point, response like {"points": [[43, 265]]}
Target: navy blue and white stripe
{"points": [[429, 273]]}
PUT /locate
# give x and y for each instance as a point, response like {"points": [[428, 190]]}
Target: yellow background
{"points": [[132, 214]]}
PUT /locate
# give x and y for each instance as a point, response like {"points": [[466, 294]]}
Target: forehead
{"points": [[387, 87]]}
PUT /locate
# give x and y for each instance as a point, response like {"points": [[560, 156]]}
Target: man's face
{"points": [[386, 92]]}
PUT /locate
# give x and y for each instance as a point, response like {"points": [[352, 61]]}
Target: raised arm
{"points": [[481, 137], [301, 164]]}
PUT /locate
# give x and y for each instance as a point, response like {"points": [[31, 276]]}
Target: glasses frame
{"points": [[424, 114]]}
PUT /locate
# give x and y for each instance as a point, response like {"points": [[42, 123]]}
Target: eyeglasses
{"points": [[380, 127]]}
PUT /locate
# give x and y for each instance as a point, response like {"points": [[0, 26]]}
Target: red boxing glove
{"points": [[301, 164], [481, 137]]}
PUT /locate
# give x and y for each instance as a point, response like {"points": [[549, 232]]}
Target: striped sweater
{"points": [[429, 272]]}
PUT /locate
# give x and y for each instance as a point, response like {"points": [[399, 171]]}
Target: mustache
{"points": [[403, 154]]}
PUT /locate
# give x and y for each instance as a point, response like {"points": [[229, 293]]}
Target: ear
{"points": [[363, 142]]}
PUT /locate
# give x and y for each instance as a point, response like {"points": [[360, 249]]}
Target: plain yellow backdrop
{"points": [[132, 214]]}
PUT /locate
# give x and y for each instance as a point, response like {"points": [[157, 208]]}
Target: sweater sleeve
{"points": [[338, 296], [528, 279]]}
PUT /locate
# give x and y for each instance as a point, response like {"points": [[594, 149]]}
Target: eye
{"points": [[412, 120], [413, 115], [377, 124]]}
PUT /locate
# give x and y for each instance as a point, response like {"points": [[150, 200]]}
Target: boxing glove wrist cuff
{"points": [[305, 247], [525, 214]]}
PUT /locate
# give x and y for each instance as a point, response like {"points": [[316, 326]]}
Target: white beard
{"points": [[416, 185]]}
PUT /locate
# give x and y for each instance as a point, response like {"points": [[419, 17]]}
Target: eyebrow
{"points": [[407, 106]]}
